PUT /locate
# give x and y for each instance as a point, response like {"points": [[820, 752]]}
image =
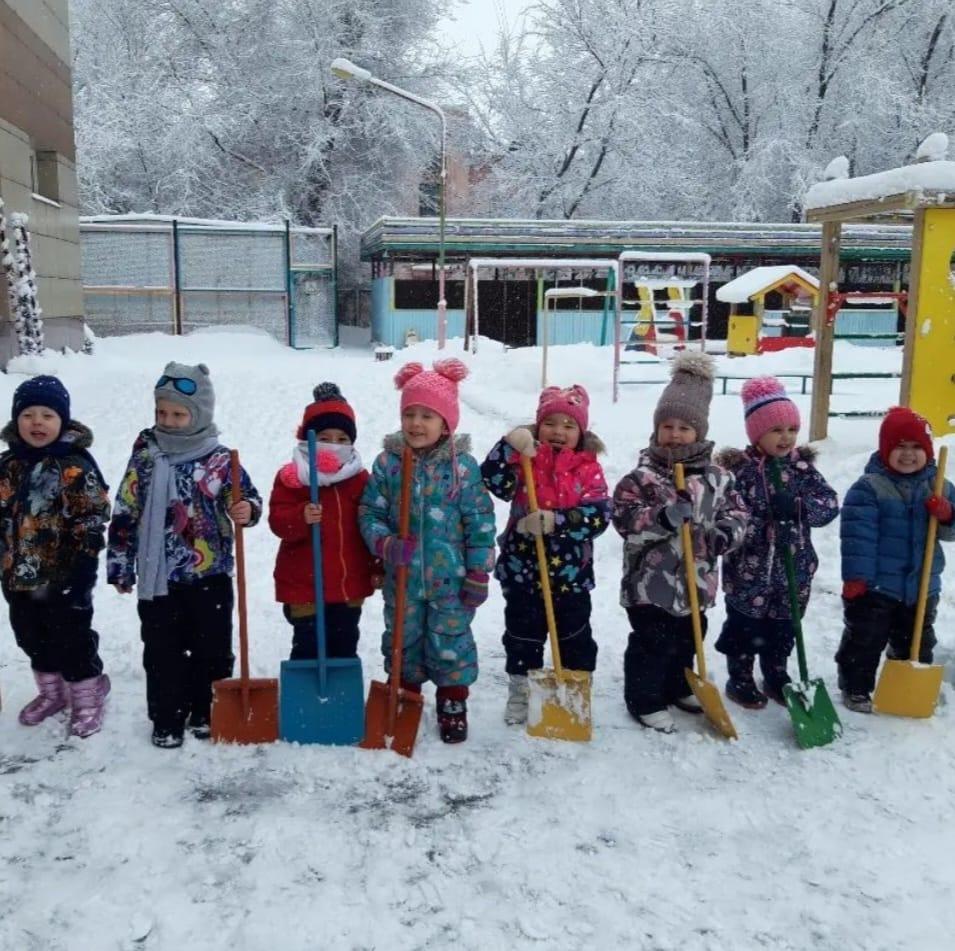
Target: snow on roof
{"points": [[936, 176], [748, 285], [148, 218]]}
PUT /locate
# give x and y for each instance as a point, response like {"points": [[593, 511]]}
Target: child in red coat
{"points": [[348, 568]]}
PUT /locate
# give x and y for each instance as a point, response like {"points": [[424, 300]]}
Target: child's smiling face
{"points": [[422, 427], [559, 431], [907, 457], [675, 432], [39, 426], [778, 441]]}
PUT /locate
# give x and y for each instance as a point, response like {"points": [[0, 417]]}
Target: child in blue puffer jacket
{"points": [[452, 548], [884, 523]]}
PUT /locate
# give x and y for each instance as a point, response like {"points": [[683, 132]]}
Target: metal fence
{"points": [[173, 275]]}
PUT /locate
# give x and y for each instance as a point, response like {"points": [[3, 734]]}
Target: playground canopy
{"points": [[764, 280]]}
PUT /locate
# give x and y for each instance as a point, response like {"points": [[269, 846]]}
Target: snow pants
{"points": [[525, 631], [341, 632], [437, 641], [659, 650], [772, 639], [56, 636], [187, 644], [872, 621]]}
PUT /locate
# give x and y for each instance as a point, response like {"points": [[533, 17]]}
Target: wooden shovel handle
{"points": [[689, 566], [240, 582], [528, 471], [401, 589], [927, 558]]}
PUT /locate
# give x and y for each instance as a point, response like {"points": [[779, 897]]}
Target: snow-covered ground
{"points": [[635, 840]]}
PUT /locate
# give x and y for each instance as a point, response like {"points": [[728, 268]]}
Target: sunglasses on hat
{"points": [[182, 383]]}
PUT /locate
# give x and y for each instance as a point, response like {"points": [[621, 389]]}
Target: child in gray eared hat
{"points": [[171, 537], [649, 513]]}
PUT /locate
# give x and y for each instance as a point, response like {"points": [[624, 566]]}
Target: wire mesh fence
{"points": [[174, 275]]}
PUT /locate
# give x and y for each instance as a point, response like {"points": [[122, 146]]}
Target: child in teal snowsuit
{"points": [[451, 549]]}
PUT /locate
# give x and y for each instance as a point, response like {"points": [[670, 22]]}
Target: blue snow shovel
{"points": [[321, 701]]}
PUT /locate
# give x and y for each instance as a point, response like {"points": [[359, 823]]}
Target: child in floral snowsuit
{"points": [[574, 510], [448, 559], [758, 617], [53, 510], [171, 537], [649, 512]]}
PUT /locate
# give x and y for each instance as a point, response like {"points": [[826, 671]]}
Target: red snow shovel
{"points": [[244, 710], [705, 691], [392, 713], [907, 688]]}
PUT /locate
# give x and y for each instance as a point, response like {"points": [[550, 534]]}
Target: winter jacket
{"points": [[452, 516], [347, 565], [571, 484], [198, 528], [653, 571], [54, 505], [754, 575], [884, 523]]}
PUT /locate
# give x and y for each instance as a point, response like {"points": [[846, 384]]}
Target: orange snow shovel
{"points": [[907, 688], [392, 713], [706, 692], [244, 710], [559, 707]]}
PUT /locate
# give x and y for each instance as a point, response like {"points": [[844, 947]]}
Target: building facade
{"points": [[38, 162]]}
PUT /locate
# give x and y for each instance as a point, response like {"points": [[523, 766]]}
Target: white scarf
{"points": [[347, 456]]}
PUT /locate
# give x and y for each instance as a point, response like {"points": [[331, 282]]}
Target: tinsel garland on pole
{"points": [[21, 283]]}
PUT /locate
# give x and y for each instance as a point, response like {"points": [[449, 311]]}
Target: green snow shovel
{"points": [[809, 704]]}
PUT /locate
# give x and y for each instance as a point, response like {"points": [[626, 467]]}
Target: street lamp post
{"points": [[345, 69]]}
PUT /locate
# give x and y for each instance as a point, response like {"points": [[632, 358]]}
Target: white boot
{"points": [[661, 721], [517, 695]]}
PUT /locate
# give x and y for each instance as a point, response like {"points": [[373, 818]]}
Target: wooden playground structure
{"points": [[926, 192]]}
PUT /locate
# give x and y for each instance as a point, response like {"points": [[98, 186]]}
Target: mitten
{"points": [[678, 511], [397, 552], [537, 523], [721, 538], [522, 440], [853, 589], [474, 589], [940, 507], [783, 506]]}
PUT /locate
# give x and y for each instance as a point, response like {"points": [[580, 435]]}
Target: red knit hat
{"points": [[904, 425], [765, 406], [330, 410], [572, 401], [435, 389]]}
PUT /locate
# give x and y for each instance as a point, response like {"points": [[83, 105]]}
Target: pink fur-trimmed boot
{"points": [[52, 699], [87, 698]]}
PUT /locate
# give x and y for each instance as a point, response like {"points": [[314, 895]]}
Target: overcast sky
{"points": [[476, 22]]}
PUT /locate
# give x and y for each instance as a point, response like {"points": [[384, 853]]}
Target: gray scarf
{"points": [[172, 449], [694, 455]]}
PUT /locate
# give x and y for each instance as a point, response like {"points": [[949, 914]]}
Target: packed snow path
{"points": [[632, 841]]}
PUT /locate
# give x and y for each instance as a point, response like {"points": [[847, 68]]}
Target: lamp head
{"points": [[346, 69]]}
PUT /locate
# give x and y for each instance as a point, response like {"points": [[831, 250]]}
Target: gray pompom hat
{"points": [[688, 394], [190, 386]]}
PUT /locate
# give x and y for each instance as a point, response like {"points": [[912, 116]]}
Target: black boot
{"points": [[741, 687], [775, 676], [452, 714]]}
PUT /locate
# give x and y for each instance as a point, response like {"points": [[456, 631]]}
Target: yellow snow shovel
{"points": [[907, 688], [559, 706], [706, 692]]}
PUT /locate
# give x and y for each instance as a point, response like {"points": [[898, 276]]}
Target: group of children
{"points": [[171, 534]]}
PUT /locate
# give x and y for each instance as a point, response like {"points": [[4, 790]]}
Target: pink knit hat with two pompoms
{"points": [[436, 389]]}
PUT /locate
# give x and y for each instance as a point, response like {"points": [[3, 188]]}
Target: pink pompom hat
{"points": [[437, 389], [765, 406], [572, 401]]}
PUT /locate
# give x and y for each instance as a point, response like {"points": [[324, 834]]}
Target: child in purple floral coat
{"points": [[758, 620]]}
